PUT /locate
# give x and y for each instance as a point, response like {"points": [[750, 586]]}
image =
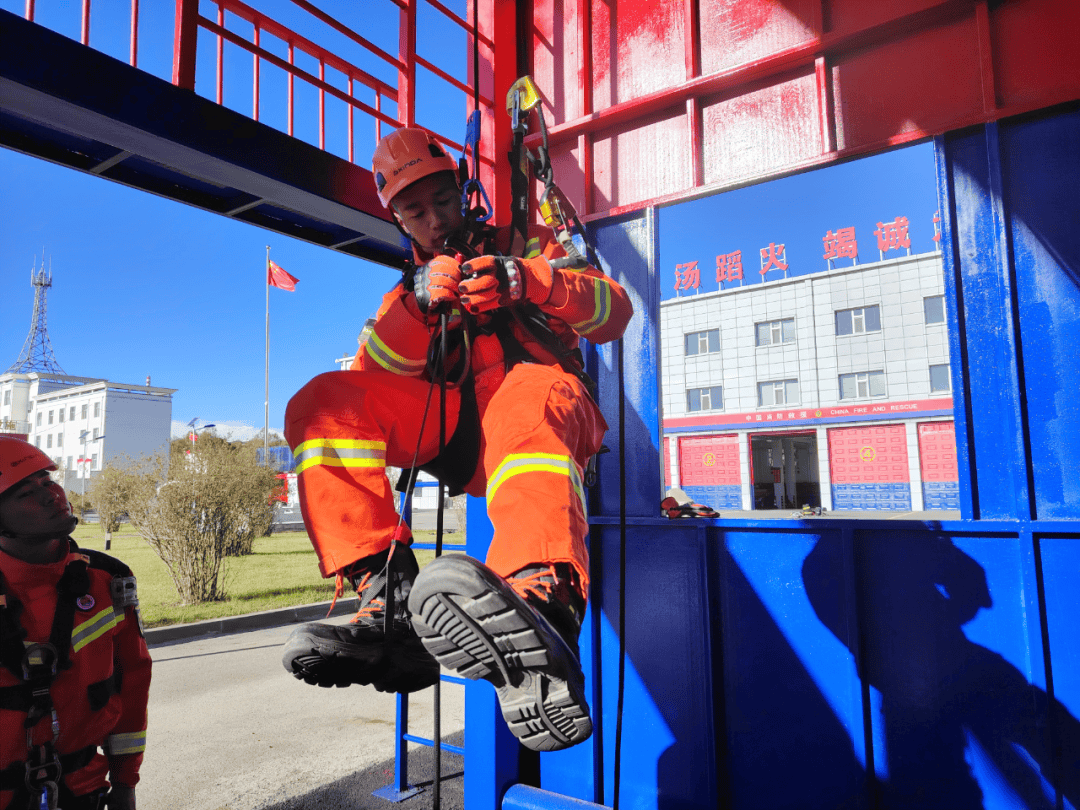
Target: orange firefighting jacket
{"points": [[596, 308], [101, 699]]}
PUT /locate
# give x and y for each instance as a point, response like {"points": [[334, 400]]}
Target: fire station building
{"points": [[830, 389]]}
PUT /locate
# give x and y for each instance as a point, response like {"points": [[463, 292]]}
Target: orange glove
{"points": [[436, 284], [500, 281]]}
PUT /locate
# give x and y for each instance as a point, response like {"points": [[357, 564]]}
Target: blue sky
{"points": [[147, 286]]}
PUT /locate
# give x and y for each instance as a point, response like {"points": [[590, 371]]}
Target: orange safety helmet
{"points": [[18, 460], [405, 156]]}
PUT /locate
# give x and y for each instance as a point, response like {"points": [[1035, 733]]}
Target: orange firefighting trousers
{"points": [[538, 429]]}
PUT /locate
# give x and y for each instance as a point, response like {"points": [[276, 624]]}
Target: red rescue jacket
{"points": [[101, 699]]}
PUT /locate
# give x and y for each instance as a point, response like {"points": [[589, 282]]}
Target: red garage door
{"points": [[869, 467], [709, 460]]}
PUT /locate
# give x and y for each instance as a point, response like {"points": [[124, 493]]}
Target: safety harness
{"points": [[36, 781]]}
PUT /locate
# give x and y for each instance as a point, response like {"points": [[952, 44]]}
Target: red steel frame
{"points": [[990, 61], [188, 21], [84, 26]]}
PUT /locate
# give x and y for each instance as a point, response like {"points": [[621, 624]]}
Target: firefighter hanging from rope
{"points": [[521, 426]]}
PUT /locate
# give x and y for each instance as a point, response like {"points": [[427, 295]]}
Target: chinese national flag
{"points": [[277, 277]]}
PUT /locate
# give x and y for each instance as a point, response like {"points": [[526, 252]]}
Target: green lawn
{"points": [[281, 572]]}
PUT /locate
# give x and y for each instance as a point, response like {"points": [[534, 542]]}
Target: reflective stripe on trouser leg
{"points": [[345, 427], [540, 429]]}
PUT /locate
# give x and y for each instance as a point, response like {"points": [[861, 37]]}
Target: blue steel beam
{"points": [[72, 105]]}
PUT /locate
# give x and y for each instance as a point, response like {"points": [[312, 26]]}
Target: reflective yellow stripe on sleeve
{"points": [[532, 248], [527, 463], [339, 453], [386, 357], [601, 310], [98, 625], [133, 742]]}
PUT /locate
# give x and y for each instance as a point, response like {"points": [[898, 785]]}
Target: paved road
{"points": [[231, 730]]}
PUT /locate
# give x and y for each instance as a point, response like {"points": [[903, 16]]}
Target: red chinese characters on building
{"points": [[729, 266], [841, 244], [772, 257], [687, 276], [893, 235]]}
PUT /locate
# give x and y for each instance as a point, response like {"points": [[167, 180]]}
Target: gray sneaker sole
{"points": [[477, 626]]}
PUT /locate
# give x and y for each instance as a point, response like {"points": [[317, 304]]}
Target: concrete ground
{"points": [[230, 729]]}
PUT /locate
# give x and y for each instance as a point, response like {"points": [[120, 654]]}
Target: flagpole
{"points": [[266, 401]]}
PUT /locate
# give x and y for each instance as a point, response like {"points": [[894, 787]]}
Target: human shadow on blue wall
{"points": [[955, 716]]}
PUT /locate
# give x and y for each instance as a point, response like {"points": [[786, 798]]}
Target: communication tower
{"points": [[37, 352]]}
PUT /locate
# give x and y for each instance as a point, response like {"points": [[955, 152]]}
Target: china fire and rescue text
{"points": [[74, 667], [510, 308]]}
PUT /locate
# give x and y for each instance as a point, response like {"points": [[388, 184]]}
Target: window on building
{"points": [[95, 433], [863, 384], [97, 409], [858, 320], [705, 399], [7, 397], [934, 308], [59, 439], [37, 441], [703, 342], [39, 419], [93, 462], [60, 416], [82, 413], [50, 417], [71, 415], [48, 440], [772, 332], [939, 378], [777, 392], [69, 465]]}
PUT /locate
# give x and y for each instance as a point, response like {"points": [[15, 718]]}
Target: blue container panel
{"points": [[872, 496], [1061, 562], [1041, 172], [718, 497], [941, 495]]}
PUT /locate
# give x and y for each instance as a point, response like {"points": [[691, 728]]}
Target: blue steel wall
{"points": [[858, 664]]}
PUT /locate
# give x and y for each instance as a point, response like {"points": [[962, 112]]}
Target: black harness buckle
{"points": [[39, 662]]}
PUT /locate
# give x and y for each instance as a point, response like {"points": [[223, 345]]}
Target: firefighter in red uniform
{"points": [[74, 668], [522, 428]]}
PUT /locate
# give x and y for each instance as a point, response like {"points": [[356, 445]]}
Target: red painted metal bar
{"points": [[294, 72], [291, 75], [694, 118], [134, 50], [322, 104], [220, 55], [349, 124], [185, 34], [823, 81], [84, 36], [465, 88], [276, 29], [341, 28], [255, 83], [986, 57], [465, 24], [30, 10], [791, 59], [406, 89]]}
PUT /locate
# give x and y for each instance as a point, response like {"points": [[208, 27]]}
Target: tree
{"points": [[108, 493], [212, 503]]}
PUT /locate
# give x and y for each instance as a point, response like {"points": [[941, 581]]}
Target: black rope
{"points": [[622, 581], [444, 323]]}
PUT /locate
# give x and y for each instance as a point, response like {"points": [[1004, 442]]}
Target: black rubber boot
{"points": [[360, 652], [476, 624]]}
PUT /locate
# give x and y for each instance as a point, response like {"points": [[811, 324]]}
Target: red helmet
{"points": [[405, 156], [18, 460]]}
